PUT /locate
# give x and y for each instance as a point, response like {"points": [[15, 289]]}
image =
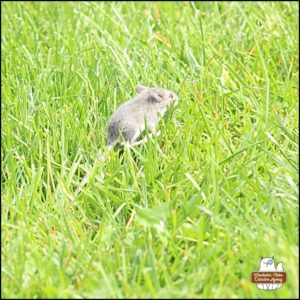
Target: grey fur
{"points": [[128, 121]]}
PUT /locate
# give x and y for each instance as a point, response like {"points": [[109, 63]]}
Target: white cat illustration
{"points": [[267, 264]]}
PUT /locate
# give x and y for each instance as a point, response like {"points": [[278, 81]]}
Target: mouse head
{"points": [[158, 95]]}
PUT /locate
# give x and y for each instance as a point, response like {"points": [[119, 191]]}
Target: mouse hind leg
{"points": [[119, 133], [130, 135], [152, 134]]}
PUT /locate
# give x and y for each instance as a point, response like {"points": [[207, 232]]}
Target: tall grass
{"points": [[188, 214]]}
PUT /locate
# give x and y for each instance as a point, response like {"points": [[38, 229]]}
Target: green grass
{"points": [[190, 213]]}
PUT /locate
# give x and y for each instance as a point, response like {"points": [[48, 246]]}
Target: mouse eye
{"points": [[160, 95], [171, 96]]}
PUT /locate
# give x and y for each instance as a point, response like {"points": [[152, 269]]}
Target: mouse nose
{"points": [[171, 96]]}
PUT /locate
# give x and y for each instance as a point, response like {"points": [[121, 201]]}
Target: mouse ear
{"points": [[140, 88], [156, 96]]}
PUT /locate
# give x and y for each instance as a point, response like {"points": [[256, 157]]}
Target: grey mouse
{"points": [[128, 121]]}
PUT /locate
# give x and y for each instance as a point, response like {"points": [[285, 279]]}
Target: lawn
{"points": [[189, 213]]}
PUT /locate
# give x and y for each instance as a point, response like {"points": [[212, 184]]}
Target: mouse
{"points": [[129, 120]]}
